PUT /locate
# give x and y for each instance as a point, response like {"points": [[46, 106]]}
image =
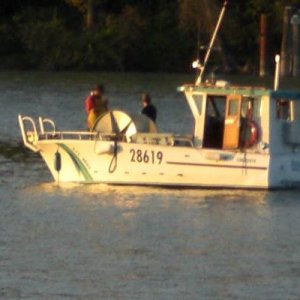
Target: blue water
{"points": [[111, 242]]}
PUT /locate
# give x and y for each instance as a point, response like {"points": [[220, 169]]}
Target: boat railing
{"points": [[43, 121], [28, 135], [59, 135], [164, 139], [110, 136], [31, 135]]}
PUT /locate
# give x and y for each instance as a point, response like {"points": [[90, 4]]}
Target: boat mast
{"points": [[212, 41]]}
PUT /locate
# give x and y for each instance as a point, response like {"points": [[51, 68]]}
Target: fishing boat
{"points": [[244, 137]]}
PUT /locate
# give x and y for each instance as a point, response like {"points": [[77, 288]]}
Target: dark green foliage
{"points": [[133, 35]]}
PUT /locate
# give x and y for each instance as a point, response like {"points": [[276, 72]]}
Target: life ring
{"points": [[249, 134]]}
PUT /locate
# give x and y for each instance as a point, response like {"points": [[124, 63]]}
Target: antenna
{"points": [[276, 77], [196, 63]]}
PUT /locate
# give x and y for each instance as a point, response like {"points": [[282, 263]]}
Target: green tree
{"points": [[87, 8], [133, 34]]}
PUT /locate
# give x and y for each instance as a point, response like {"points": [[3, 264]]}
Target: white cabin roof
{"points": [[240, 90]]}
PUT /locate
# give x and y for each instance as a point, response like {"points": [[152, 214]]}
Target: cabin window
{"points": [[247, 107], [233, 107], [216, 106], [250, 107], [198, 100], [284, 110]]}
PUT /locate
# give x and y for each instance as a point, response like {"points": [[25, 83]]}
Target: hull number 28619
{"points": [[146, 156]]}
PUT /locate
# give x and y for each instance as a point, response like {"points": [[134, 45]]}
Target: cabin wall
{"points": [[264, 121], [197, 104], [284, 129], [276, 131], [291, 129]]}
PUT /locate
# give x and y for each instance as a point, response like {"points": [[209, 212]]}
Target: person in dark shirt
{"points": [[149, 109]]}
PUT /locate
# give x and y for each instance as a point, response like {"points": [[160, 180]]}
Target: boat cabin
{"points": [[237, 118]]}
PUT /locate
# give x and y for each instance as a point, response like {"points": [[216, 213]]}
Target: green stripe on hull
{"points": [[79, 165]]}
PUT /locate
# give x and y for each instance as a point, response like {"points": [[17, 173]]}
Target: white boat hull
{"points": [[144, 164]]}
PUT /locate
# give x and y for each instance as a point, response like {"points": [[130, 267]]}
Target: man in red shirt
{"points": [[95, 105]]}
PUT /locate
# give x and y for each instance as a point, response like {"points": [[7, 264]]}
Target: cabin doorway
{"points": [[214, 121], [225, 117]]}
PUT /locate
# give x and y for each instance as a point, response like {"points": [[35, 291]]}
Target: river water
{"points": [[110, 242]]}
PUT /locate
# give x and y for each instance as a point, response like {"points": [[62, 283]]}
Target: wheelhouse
{"points": [[239, 118]]}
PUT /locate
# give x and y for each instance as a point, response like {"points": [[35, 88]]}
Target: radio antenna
{"points": [[212, 41]]}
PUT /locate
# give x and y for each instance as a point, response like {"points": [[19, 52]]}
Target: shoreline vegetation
{"points": [[172, 80], [135, 35]]}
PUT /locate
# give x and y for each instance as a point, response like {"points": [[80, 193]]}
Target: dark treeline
{"points": [[133, 35]]}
